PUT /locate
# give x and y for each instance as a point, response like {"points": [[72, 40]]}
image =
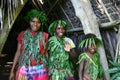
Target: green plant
{"points": [[115, 70], [92, 64]]}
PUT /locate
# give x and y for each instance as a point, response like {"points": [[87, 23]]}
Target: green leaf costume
{"points": [[32, 48], [59, 64], [92, 65]]}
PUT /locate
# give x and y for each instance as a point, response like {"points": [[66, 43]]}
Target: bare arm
{"points": [[72, 53], [15, 61], [81, 71]]}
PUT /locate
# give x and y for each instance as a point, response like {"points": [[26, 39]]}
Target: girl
{"points": [[60, 49], [31, 53], [89, 64]]}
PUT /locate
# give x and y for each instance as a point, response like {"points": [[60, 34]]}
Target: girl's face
{"points": [[92, 48], [35, 24], [60, 30]]}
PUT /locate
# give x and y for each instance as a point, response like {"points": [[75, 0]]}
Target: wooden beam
{"points": [[109, 24], [52, 7], [102, 25], [101, 2]]}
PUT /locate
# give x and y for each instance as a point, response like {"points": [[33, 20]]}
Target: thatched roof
{"points": [[107, 12], [100, 12]]}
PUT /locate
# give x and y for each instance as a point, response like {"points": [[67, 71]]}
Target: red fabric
{"points": [[19, 39], [42, 48], [32, 33]]}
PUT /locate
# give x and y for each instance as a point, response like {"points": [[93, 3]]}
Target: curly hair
{"points": [[36, 14]]}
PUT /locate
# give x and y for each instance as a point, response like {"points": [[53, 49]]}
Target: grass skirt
{"points": [[32, 73]]}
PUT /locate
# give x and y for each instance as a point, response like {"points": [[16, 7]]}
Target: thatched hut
{"points": [[101, 17]]}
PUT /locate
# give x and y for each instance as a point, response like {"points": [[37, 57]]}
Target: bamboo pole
{"points": [[101, 2], [8, 5], [1, 21]]}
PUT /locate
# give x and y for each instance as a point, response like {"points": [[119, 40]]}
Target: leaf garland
{"points": [[58, 59], [93, 65], [54, 24], [32, 48], [90, 41]]}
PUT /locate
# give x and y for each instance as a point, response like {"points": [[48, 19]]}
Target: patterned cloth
{"points": [[32, 60], [32, 73]]}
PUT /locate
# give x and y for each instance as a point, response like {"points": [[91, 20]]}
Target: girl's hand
{"points": [[67, 47], [11, 77]]}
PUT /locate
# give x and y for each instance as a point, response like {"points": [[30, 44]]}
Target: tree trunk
{"points": [[89, 22]]}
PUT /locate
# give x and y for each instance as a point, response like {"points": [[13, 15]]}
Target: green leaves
{"points": [[92, 65], [58, 59], [84, 56], [32, 48], [54, 24], [90, 41], [115, 77], [115, 70]]}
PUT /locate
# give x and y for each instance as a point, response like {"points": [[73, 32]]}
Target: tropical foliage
{"points": [[115, 70]]}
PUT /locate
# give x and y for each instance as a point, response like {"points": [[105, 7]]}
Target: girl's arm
{"points": [[15, 61], [81, 71], [70, 51]]}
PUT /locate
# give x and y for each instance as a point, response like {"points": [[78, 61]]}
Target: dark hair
{"points": [[90, 39], [89, 35]]}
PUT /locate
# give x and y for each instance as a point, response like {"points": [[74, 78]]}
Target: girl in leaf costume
{"points": [[89, 64], [60, 49], [31, 53]]}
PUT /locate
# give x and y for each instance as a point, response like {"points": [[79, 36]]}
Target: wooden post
{"points": [[89, 22]]}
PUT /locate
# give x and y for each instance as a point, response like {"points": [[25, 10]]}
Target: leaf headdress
{"points": [[36, 14], [54, 24], [90, 39]]}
